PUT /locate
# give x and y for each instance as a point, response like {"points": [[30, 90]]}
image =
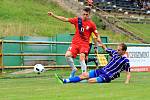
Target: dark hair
{"points": [[87, 9], [124, 46]]}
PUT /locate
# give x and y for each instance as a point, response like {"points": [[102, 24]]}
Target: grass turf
{"points": [[29, 17], [46, 87]]}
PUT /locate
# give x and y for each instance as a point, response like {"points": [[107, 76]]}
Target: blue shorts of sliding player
{"points": [[93, 75]]}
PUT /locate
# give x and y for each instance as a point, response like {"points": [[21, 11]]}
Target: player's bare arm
{"points": [[128, 76], [99, 39], [58, 17], [103, 46]]}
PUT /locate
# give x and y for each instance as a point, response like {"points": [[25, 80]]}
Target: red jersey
{"points": [[87, 28]]}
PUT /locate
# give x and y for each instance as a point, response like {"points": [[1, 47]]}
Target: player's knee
{"points": [[84, 75], [68, 54]]}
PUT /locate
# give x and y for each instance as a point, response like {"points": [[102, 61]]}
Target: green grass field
{"points": [[143, 30], [46, 87], [140, 30], [29, 17]]}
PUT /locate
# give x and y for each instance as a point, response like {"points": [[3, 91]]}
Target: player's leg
{"points": [[92, 59], [86, 75], [75, 79], [84, 49], [90, 76], [86, 58], [68, 80], [96, 80], [82, 63], [69, 54], [70, 62], [93, 78]]}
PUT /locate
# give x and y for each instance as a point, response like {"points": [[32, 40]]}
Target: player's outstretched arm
{"points": [[96, 41], [128, 76], [58, 17], [103, 46], [99, 39]]}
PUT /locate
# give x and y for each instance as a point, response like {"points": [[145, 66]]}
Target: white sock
{"points": [[83, 66], [67, 80], [70, 62]]}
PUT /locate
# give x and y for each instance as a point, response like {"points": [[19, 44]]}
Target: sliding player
{"points": [[111, 71]]}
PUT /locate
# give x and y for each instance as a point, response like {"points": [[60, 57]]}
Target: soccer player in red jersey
{"points": [[80, 43]]}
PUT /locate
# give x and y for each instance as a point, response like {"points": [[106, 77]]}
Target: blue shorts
{"points": [[93, 75]]}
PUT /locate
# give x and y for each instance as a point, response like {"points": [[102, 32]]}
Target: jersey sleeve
{"points": [[95, 30], [111, 51], [127, 66], [73, 20]]}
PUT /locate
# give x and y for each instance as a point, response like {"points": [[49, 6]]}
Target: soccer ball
{"points": [[39, 68]]}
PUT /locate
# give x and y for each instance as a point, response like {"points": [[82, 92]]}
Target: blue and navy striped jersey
{"points": [[116, 64]]}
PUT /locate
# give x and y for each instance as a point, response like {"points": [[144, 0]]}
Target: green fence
{"points": [[34, 48]]}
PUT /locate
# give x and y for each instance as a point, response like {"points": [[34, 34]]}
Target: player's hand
{"points": [[50, 13], [103, 46], [100, 44]]}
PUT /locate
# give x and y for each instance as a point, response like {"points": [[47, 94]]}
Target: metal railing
{"points": [[45, 54]]}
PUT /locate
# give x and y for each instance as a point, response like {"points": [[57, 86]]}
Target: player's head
{"points": [[86, 12], [121, 49]]}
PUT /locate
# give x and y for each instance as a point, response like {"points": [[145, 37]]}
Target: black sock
{"points": [[91, 59]]}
